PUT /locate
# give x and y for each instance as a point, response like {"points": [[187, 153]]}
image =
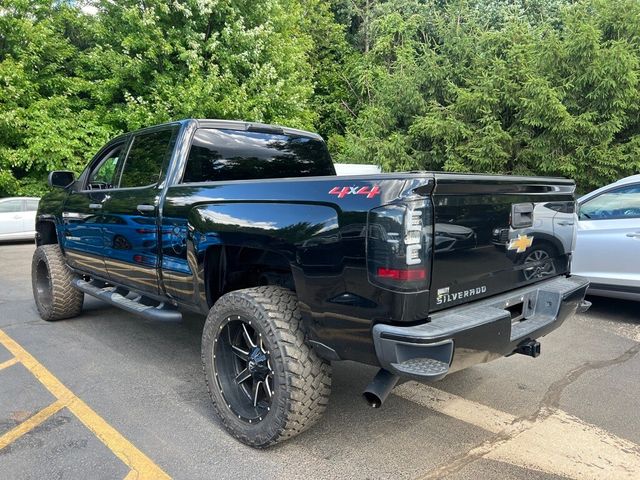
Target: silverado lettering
{"points": [[445, 296]]}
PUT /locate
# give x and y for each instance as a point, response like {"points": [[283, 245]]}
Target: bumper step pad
{"points": [[422, 367], [524, 328]]}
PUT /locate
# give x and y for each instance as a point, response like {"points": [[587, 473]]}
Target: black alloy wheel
{"points": [[243, 369], [265, 382], [43, 289]]}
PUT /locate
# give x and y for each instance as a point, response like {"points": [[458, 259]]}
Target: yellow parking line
{"points": [[8, 363], [132, 475], [142, 466], [30, 423]]}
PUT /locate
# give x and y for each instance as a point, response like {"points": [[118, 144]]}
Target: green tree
{"points": [[71, 80], [517, 86], [48, 111], [448, 91]]}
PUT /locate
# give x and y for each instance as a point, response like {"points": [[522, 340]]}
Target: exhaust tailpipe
{"points": [[380, 387]]}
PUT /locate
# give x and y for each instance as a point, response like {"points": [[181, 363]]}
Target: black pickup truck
{"points": [[420, 274]]}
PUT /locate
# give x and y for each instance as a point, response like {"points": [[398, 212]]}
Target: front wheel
{"points": [[51, 282], [265, 382]]}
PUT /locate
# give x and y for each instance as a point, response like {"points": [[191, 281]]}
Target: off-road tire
{"points": [[302, 380], [60, 300]]}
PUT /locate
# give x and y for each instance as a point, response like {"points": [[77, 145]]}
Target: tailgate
{"points": [[495, 233]]}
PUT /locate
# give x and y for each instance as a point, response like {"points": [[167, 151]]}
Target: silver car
{"points": [[608, 239], [18, 218]]}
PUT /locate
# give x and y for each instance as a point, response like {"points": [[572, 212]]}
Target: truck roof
{"points": [[234, 125]]}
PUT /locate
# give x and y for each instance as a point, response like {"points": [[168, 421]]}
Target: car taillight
{"points": [[399, 245]]}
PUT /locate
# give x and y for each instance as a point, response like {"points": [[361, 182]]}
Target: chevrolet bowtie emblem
{"points": [[520, 244]]}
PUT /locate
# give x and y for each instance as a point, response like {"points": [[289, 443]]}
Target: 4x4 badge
{"points": [[520, 244], [342, 192]]}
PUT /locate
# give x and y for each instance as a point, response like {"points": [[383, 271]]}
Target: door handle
{"points": [[145, 207], [565, 224], [95, 206], [521, 215], [634, 235], [17, 217]]}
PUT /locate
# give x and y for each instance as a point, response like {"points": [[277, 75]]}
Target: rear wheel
{"points": [[266, 384], [51, 282]]}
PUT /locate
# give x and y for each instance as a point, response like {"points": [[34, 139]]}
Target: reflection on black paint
{"points": [[481, 258], [450, 237]]}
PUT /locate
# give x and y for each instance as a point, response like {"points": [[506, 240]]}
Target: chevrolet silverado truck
{"points": [[295, 267]]}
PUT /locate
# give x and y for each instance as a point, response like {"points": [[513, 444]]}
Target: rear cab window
{"points": [[226, 155]]}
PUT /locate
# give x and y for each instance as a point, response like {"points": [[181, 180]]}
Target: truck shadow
{"points": [[173, 349]]}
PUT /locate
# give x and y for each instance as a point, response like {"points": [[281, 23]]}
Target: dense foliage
{"points": [[545, 87]]}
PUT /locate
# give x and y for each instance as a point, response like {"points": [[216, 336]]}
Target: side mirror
{"points": [[61, 178]]}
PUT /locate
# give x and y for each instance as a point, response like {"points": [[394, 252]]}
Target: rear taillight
{"points": [[399, 245]]}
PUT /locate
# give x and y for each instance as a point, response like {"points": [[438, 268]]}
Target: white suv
{"points": [[608, 239]]}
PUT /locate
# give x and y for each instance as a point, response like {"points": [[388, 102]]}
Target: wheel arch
{"points": [[243, 245], [46, 232], [235, 267]]}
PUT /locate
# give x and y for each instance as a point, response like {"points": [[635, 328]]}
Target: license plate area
{"points": [[520, 308]]}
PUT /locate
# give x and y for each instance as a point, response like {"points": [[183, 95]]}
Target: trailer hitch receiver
{"points": [[530, 348]]}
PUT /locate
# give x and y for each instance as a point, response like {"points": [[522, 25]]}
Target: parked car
{"points": [[608, 239], [18, 218], [296, 267], [345, 169]]}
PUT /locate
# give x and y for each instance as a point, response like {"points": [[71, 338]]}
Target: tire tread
{"points": [[66, 301], [308, 375]]}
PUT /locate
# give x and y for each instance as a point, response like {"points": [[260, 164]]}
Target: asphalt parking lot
{"points": [[108, 395]]}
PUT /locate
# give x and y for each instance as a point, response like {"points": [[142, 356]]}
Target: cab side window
{"points": [[147, 155], [617, 203], [104, 175], [225, 155]]}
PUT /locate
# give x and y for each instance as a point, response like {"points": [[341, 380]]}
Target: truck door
{"points": [[82, 218], [130, 214]]}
